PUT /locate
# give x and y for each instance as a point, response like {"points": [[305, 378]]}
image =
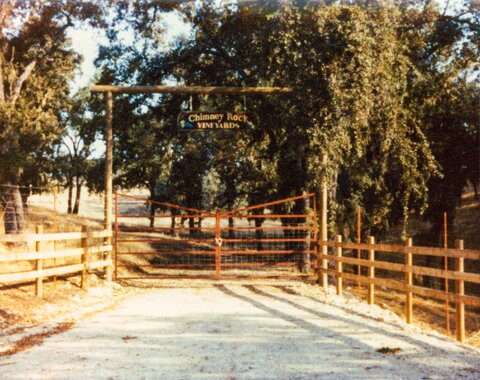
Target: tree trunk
{"points": [[152, 205], [13, 214], [25, 196], [19, 213], [258, 222], [191, 225], [78, 194], [302, 259], [258, 232], [9, 212], [152, 215], [304, 246], [231, 232], [172, 223], [230, 195], [70, 196]]}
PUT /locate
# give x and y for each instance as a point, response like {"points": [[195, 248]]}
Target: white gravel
{"points": [[243, 332]]}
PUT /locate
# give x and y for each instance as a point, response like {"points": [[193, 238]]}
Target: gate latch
{"points": [[219, 241]]}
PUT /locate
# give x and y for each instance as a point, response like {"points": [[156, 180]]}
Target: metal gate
{"points": [[162, 240]]}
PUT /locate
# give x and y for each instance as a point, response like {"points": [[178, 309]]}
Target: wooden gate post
{"points": [[339, 266], [460, 290], [408, 283], [108, 176], [115, 237], [323, 275], [359, 252], [55, 229], [371, 271], [39, 263], [218, 245], [84, 245]]}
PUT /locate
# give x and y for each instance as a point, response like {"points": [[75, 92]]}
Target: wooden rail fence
{"points": [[405, 284], [408, 268], [84, 253]]}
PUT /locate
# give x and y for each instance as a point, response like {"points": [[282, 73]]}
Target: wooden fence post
{"points": [[371, 272], [408, 283], [460, 290], [84, 245], [55, 229], [339, 267], [359, 252], [445, 268], [324, 230], [115, 238], [108, 177], [39, 263]]}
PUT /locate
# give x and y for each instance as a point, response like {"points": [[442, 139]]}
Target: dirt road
{"points": [[243, 332]]}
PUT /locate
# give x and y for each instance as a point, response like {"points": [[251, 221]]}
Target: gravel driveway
{"points": [[243, 332]]}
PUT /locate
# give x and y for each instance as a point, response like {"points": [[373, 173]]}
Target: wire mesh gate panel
{"points": [[162, 240]]}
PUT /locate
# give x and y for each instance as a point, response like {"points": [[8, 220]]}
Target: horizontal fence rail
{"points": [[407, 268], [431, 251], [28, 238], [84, 254]]}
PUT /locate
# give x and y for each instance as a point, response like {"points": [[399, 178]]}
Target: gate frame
{"points": [[217, 229], [108, 91]]}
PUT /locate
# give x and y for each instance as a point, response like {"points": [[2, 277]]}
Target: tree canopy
{"points": [[388, 90], [36, 65], [383, 89]]}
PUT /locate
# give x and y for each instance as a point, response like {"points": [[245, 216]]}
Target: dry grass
{"points": [[64, 301], [427, 313], [44, 217], [29, 341], [26, 320], [431, 313]]}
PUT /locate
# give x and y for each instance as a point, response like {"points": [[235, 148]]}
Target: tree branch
{"points": [[6, 7], [2, 90], [447, 3], [459, 20], [426, 4], [230, 61], [19, 82], [66, 146], [78, 141]]}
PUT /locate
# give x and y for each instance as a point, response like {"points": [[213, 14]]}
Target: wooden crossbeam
{"points": [[190, 90]]}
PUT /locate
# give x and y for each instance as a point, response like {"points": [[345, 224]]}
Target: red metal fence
{"points": [[162, 240]]}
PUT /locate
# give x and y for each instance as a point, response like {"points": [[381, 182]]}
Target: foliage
{"points": [[380, 88], [36, 64], [72, 161]]}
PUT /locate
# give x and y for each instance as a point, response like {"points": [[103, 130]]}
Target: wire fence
{"points": [[29, 206], [155, 239]]}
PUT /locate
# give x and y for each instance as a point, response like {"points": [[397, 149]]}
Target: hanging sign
{"points": [[224, 121]]}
